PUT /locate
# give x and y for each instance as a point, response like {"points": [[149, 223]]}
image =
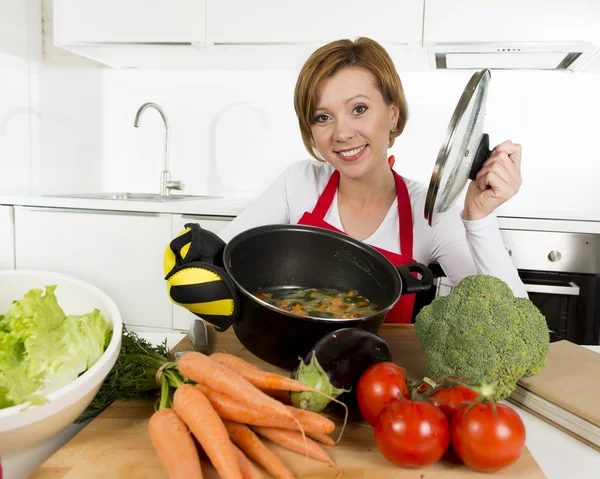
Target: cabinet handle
{"points": [[207, 217], [46, 209]]}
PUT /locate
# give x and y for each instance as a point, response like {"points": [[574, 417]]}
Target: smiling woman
{"points": [[351, 107]]}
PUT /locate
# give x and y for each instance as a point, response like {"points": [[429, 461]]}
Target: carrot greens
{"points": [[134, 375]]}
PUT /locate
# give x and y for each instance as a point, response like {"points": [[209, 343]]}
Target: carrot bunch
{"points": [[229, 407]]}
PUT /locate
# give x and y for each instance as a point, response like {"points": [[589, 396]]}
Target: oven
{"points": [[561, 272]]}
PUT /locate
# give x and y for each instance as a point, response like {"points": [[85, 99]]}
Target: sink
{"points": [[132, 196]]}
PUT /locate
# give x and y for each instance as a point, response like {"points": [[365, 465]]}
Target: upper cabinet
{"points": [[275, 34], [500, 21], [313, 21], [131, 21], [278, 34]]}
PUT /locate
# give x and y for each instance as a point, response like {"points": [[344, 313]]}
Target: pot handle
{"points": [[410, 284]]}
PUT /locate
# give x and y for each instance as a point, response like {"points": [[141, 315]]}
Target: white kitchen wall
{"points": [[20, 57], [233, 132]]}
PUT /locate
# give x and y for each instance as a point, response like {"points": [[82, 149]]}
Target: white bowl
{"points": [[21, 429]]}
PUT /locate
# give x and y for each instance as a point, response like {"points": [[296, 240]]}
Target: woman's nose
{"points": [[343, 131]]}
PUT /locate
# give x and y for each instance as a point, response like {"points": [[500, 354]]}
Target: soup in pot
{"points": [[320, 303]]}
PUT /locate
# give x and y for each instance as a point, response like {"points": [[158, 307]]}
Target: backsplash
{"points": [[20, 57], [233, 132]]}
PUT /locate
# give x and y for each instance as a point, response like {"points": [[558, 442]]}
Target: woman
{"points": [[351, 107]]}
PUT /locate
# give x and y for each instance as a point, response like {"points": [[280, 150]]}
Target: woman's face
{"points": [[352, 123]]}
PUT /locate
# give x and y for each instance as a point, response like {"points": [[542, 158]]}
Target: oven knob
{"points": [[554, 256]]}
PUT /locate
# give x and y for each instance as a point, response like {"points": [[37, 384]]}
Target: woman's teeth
{"points": [[356, 151]]}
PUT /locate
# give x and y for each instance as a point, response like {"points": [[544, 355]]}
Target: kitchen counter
{"points": [[208, 206], [233, 206], [558, 454]]}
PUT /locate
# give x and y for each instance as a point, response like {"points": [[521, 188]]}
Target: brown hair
{"points": [[333, 57]]}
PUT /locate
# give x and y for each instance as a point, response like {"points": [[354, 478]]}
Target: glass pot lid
{"points": [[464, 149]]}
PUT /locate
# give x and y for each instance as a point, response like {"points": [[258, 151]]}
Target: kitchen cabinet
{"points": [[537, 21], [7, 236], [132, 21], [119, 252], [313, 21], [182, 318]]}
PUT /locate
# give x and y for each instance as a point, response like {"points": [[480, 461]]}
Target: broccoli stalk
{"points": [[482, 333]]}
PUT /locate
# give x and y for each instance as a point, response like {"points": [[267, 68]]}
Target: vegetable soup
{"points": [[320, 303]]}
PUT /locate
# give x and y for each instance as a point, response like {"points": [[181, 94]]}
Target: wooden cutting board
{"points": [[116, 445]]}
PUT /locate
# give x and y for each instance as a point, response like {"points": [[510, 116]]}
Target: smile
{"points": [[355, 151], [351, 155]]}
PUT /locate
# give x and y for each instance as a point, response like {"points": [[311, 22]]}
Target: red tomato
{"points": [[412, 433], [449, 399], [485, 442], [378, 386]]}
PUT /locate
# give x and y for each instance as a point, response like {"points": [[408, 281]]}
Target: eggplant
{"points": [[335, 364]]}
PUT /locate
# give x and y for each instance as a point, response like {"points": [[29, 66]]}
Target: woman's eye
{"points": [[321, 118], [360, 109]]}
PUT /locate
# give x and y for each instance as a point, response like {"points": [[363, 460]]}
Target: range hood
{"points": [[510, 56]]}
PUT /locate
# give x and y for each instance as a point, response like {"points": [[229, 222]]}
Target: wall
{"points": [[20, 56], [234, 132]]}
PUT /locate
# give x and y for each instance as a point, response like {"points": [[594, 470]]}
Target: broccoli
{"points": [[481, 332]]}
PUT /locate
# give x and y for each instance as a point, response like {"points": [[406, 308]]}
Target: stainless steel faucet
{"points": [[166, 185]]}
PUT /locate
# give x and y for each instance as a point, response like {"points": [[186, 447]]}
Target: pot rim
{"points": [[313, 230]]}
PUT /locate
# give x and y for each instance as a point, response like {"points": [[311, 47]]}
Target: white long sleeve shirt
{"points": [[460, 247]]}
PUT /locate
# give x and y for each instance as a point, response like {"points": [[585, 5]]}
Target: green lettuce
{"points": [[42, 349]]}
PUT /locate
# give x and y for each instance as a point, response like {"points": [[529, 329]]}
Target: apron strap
{"points": [[404, 209], [326, 198], [404, 216]]}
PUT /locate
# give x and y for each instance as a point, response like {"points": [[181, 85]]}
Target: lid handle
{"points": [[481, 155]]}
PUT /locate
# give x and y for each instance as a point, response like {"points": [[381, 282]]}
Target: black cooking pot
{"points": [[293, 256]]}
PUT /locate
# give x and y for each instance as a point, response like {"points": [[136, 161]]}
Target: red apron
{"points": [[403, 309]]}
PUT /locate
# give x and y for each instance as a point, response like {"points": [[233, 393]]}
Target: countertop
{"points": [[558, 454], [200, 206], [233, 206]]}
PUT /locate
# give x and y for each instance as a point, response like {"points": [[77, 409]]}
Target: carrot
{"points": [[317, 421], [319, 436], [249, 442], [278, 394], [249, 470], [264, 380], [232, 410], [195, 410], [259, 378], [174, 445], [293, 441], [205, 370]]}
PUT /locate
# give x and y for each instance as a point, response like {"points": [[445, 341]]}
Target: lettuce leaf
{"points": [[42, 349]]}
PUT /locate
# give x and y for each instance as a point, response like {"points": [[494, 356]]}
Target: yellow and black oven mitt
{"points": [[196, 279]]}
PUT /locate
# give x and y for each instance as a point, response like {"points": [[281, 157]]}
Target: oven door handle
{"points": [[571, 290]]}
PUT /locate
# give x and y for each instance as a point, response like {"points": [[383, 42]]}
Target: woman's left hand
{"points": [[498, 180]]}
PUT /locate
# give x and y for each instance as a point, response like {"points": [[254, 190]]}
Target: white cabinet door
{"points": [[7, 236], [129, 21], [119, 252], [313, 21], [182, 318], [510, 21]]}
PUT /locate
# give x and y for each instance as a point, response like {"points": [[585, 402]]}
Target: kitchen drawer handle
{"points": [[46, 209], [571, 290], [207, 217]]}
